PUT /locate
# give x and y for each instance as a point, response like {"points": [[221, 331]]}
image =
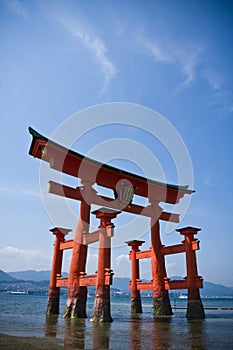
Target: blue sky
{"points": [[175, 57]]}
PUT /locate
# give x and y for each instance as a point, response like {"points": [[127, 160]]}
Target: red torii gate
{"points": [[125, 185]]}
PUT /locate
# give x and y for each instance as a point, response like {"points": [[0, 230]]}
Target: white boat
{"points": [[183, 296]]}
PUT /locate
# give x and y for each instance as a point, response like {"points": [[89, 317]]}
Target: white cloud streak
{"points": [[184, 55], [187, 56], [94, 45]]}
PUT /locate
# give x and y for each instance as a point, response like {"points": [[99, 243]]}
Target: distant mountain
{"points": [[122, 283], [32, 275], [5, 277], [212, 289]]}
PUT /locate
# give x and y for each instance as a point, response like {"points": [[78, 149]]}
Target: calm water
{"points": [[24, 315]]}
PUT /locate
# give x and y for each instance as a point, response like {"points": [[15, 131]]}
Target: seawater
{"points": [[24, 315]]}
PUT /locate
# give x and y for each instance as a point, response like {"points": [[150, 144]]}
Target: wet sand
{"points": [[8, 342]]}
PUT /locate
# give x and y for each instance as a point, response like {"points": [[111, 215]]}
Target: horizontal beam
{"points": [[174, 249], [143, 285], [62, 282], [143, 254], [92, 237], [85, 281], [171, 285], [76, 194], [69, 244]]}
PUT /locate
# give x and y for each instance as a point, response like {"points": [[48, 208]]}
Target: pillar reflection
{"points": [[101, 332], [51, 322], [162, 327], [74, 337], [136, 333], [197, 334]]}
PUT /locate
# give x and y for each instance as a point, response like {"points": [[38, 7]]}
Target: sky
{"points": [[58, 58]]}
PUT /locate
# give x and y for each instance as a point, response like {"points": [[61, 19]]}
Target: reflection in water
{"points": [[101, 335], [74, 333], [140, 332], [135, 332], [143, 333], [162, 326], [51, 325], [197, 334]]}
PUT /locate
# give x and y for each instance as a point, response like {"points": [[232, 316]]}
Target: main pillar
{"points": [[136, 304], [54, 291], [77, 295], [161, 301], [195, 309], [102, 307]]}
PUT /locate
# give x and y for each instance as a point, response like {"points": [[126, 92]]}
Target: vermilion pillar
{"points": [[102, 309], [54, 292], [161, 301], [195, 309], [77, 295], [136, 304]]}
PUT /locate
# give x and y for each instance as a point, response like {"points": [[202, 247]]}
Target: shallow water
{"points": [[24, 315]]}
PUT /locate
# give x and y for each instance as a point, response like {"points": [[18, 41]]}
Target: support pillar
{"points": [[102, 307], [54, 292], [161, 301], [195, 309], [77, 295], [136, 304]]}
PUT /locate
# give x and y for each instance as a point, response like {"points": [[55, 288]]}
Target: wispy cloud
{"points": [[156, 50], [207, 181], [184, 55], [16, 190], [214, 79], [94, 45], [188, 56], [221, 96], [122, 258], [17, 7], [14, 259]]}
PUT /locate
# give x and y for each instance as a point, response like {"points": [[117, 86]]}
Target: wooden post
{"points": [[136, 304], [161, 301], [77, 295], [195, 309], [54, 291], [102, 308]]}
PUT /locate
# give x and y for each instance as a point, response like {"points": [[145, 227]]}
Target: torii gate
{"points": [[124, 185]]}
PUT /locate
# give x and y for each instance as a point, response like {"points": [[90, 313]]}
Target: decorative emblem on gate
{"points": [[124, 193]]}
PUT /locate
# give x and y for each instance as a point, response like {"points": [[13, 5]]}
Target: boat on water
{"points": [[183, 296], [16, 292]]}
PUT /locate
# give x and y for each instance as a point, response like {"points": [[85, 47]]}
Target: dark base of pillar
{"points": [[195, 310], [53, 301], [162, 307], [136, 306], [102, 306], [76, 304]]}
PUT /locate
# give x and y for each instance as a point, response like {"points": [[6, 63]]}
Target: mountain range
{"points": [[210, 289]]}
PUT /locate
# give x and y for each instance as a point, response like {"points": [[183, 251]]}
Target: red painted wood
{"points": [[76, 194], [75, 164]]}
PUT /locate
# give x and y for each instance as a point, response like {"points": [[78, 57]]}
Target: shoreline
{"points": [[11, 342]]}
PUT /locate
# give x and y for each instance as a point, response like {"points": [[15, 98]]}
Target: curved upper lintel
{"points": [[75, 164]]}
